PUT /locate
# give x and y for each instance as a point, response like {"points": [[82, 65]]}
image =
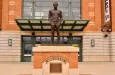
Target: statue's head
{"points": [[55, 4]]}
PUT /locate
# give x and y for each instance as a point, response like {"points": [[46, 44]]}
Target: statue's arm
{"points": [[49, 15], [61, 15]]}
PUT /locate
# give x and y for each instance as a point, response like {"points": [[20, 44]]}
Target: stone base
{"points": [[65, 56], [70, 72], [56, 44]]}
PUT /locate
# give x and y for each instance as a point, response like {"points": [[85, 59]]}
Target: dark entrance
{"points": [[30, 41]]}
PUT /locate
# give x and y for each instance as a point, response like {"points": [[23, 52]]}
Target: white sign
{"points": [[107, 10]]}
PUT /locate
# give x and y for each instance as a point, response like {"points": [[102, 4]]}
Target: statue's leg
{"points": [[52, 33], [58, 31]]}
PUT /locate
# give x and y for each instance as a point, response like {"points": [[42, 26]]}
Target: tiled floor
{"points": [[93, 68]]}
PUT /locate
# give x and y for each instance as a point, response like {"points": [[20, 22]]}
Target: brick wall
{"points": [[91, 10], [113, 14], [11, 9], [40, 57], [0, 13], [101, 50], [10, 53]]}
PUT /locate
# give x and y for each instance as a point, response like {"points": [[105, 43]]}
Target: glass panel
{"points": [[27, 9], [27, 49], [81, 22], [66, 40], [75, 0], [27, 4], [26, 27], [22, 21], [55, 39], [46, 27], [36, 27], [76, 39], [35, 21], [61, 39], [67, 27], [76, 4], [78, 27], [37, 39], [45, 40], [45, 21], [42, 7], [69, 22], [27, 39]]}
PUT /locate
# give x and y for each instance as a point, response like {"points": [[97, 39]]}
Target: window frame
{"points": [[33, 16]]}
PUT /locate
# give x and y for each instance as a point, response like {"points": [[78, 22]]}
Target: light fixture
{"points": [[9, 42], [109, 30], [33, 33], [102, 29], [92, 43], [106, 35]]}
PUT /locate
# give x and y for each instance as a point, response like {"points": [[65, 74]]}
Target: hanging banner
{"points": [[107, 10]]}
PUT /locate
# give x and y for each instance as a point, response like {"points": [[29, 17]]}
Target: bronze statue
{"points": [[55, 18]]}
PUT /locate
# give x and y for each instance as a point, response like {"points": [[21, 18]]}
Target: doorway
{"points": [[31, 41]]}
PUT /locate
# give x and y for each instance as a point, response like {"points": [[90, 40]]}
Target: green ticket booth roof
{"points": [[44, 25]]}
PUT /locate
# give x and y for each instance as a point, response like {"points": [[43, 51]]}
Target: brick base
{"points": [[40, 57]]}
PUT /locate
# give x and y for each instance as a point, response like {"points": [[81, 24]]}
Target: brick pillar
{"points": [[0, 13], [11, 9], [113, 30]]}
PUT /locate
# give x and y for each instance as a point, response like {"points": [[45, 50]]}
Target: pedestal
{"points": [[55, 60]]}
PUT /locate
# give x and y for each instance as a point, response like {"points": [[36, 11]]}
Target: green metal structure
{"points": [[44, 25]]}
